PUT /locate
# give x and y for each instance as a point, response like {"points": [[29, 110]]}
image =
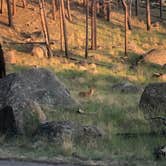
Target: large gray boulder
{"points": [[153, 104], [60, 130], [26, 95]]}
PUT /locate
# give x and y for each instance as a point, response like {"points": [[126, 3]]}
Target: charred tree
{"points": [[2, 63], [148, 16], [10, 18], [1, 6], [61, 28], [161, 8], [136, 7]]}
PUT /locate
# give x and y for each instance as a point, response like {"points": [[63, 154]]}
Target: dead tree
{"points": [[61, 29], [148, 16], [136, 7], [54, 9], [14, 6], [62, 8], [2, 63], [129, 14], [1, 6], [93, 26], [108, 10], [161, 8], [126, 24], [45, 27], [69, 10], [87, 27], [10, 18]]}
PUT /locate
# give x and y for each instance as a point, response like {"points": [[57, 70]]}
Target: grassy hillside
{"points": [[116, 113]]}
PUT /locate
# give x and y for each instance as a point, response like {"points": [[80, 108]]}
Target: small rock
{"points": [[39, 51], [70, 129], [126, 87]]}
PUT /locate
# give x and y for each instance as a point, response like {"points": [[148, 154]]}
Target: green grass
{"points": [[114, 112]]}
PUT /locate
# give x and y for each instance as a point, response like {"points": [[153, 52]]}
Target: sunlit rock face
{"points": [[29, 93]]}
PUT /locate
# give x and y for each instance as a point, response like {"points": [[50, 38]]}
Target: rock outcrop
{"points": [[153, 104], [28, 94], [74, 131]]}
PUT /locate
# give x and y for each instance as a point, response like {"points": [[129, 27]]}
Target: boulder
{"points": [[153, 104], [27, 94], [39, 51], [62, 129], [126, 87], [156, 56]]}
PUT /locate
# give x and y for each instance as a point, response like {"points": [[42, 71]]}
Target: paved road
{"points": [[22, 163]]}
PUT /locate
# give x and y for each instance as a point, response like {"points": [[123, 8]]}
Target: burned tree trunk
{"points": [[93, 25], [1, 6], [126, 24], [62, 8], [10, 18], [161, 8], [136, 7], [45, 27], [129, 14], [108, 10], [148, 17], [2, 63], [87, 27]]}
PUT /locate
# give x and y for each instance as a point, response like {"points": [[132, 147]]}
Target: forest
{"points": [[83, 82]]}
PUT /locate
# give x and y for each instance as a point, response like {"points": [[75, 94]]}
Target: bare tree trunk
{"points": [[1, 6], [45, 27], [161, 8], [24, 3], [69, 11], [54, 9], [126, 24], [129, 14], [93, 25], [136, 7], [10, 18], [108, 11], [14, 7], [64, 27], [87, 15], [148, 17], [61, 28]]}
